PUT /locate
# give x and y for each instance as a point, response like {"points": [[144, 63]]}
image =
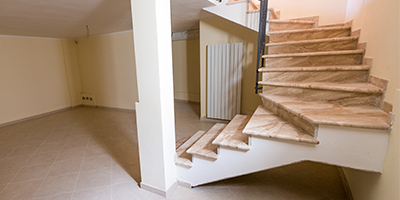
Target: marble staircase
{"points": [[320, 104]]}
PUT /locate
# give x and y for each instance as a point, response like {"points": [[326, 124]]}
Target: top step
{"points": [[309, 34], [279, 25]]}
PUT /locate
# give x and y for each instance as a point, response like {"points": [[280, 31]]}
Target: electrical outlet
{"points": [[88, 99]]}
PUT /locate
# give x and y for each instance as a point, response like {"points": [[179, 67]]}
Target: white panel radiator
{"points": [[224, 80]]}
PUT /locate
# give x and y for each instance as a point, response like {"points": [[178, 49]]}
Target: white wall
{"points": [[220, 31], [33, 77], [186, 61], [72, 70], [107, 69], [379, 21], [329, 11]]}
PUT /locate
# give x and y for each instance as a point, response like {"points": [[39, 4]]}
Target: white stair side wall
{"points": [[338, 146]]}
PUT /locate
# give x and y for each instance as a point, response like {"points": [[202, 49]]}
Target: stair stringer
{"points": [[357, 148]]}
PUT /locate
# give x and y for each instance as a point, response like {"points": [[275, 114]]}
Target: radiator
{"points": [[224, 80]]}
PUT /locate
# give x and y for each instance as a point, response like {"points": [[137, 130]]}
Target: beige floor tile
{"points": [[14, 162], [43, 158], [2, 187], [57, 185], [66, 196], [24, 150], [7, 175], [97, 150], [71, 154], [53, 147], [130, 173], [101, 193], [75, 142], [94, 178], [21, 190], [124, 191], [30, 173], [65, 167], [5, 151], [96, 162]]}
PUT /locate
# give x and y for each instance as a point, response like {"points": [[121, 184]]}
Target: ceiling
{"points": [[68, 19]]}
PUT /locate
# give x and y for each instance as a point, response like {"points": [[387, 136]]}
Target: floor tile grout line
{"points": [[47, 174], [80, 169], [29, 157]]}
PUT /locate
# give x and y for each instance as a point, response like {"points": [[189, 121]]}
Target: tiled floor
{"points": [[88, 153]]}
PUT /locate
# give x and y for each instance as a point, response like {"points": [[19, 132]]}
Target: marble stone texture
{"points": [[184, 158], [302, 123], [232, 135], [264, 123], [275, 25], [352, 58], [308, 34], [317, 76], [204, 147], [331, 44], [332, 114], [332, 96], [381, 83]]}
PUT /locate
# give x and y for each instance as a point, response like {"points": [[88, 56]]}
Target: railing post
{"points": [[261, 38]]}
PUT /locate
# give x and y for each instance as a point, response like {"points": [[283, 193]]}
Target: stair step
{"points": [[348, 57], [348, 87], [308, 34], [344, 74], [328, 44], [324, 113], [347, 52], [334, 92], [232, 136], [316, 68], [278, 25], [204, 147], [264, 123], [184, 158]]}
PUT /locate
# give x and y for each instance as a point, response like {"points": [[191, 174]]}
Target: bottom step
{"points": [[264, 123]]}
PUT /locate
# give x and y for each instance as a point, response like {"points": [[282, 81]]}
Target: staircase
{"points": [[320, 104]]}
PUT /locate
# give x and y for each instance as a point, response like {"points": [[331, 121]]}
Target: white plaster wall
{"points": [[33, 77]]}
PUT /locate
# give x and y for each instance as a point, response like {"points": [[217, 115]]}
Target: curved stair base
{"points": [[364, 149]]}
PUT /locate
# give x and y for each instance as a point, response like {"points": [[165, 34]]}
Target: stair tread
{"points": [[316, 68], [267, 124], [309, 30], [333, 114], [339, 86], [313, 41], [291, 21], [232, 136], [204, 147], [184, 158], [322, 53]]}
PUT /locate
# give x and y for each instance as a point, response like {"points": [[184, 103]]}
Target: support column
{"points": [[151, 21]]}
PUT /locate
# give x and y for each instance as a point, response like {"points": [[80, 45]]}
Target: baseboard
{"points": [[158, 191], [112, 108], [37, 116]]}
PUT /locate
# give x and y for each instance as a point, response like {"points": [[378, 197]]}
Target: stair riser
{"points": [[338, 97], [286, 37], [288, 26], [324, 76], [347, 59], [284, 114], [314, 47]]}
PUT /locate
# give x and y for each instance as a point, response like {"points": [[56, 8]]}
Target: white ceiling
{"points": [[68, 18]]}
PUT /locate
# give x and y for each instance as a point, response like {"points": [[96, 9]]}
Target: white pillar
{"points": [[155, 110]]}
